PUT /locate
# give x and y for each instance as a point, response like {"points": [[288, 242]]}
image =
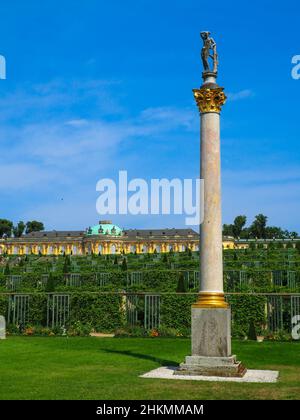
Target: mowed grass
{"points": [[109, 368]]}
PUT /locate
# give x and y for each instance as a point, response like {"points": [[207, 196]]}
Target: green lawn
{"points": [[109, 368]]}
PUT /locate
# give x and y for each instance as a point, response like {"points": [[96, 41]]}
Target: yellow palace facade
{"points": [[106, 238]]}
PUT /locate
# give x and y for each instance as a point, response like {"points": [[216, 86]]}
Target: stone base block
{"points": [[211, 332], [211, 366], [211, 345]]}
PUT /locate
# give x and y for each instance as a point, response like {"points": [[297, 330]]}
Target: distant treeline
{"points": [[258, 229], [8, 229]]}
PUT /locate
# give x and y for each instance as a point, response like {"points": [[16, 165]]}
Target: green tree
{"points": [[19, 229], [182, 284], [50, 285], [7, 269], [34, 226], [252, 331], [67, 265], [238, 225], [228, 230], [274, 232], [6, 227], [245, 233], [124, 265], [258, 227]]}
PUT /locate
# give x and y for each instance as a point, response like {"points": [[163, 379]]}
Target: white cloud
{"points": [[46, 140], [172, 116], [60, 144], [242, 94]]}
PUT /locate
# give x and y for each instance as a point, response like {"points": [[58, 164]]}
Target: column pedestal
{"points": [[211, 345]]}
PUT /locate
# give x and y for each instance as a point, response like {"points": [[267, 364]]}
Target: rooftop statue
{"points": [[209, 50]]}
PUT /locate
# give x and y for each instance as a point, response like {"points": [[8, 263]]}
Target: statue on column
{"points": [[209, 50]]}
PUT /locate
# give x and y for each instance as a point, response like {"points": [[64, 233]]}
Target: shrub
{"points": [[246, 309], [252, 331], [124, 264], [176, 311], [131, 332], [50, 285], [80, 329], [182, 286], [7, 269]]}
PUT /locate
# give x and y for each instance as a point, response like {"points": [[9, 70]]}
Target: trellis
{"points": [[278, 277], [135, 277], [191, 278], [73, 280], [295, 307], [292, 279], [275, 313], [186, 275], [101, 266], [43, 281], [177, 265], [244, 281], [13, 282], [132, 309], [150, 266], [74, 266], [292, 264], [143, 310], [246, 264], [18, 309], [102, 279], [58, 310], [232, 277], [196, 276], [152, 312]]}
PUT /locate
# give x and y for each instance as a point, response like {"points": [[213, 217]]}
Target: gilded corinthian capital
{"points": [[209, 99]]}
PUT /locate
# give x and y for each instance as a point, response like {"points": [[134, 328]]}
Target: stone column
{"points": [[209, 98], [211, 317]]}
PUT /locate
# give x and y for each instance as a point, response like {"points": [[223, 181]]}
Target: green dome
{"points": [[104, 227]]}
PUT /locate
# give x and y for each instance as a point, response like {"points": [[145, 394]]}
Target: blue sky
{"points": [[94, 87]]}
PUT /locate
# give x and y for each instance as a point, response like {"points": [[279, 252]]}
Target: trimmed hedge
{"points": [[103, 313], [106, 312], [176, 311], [247, 309]]}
